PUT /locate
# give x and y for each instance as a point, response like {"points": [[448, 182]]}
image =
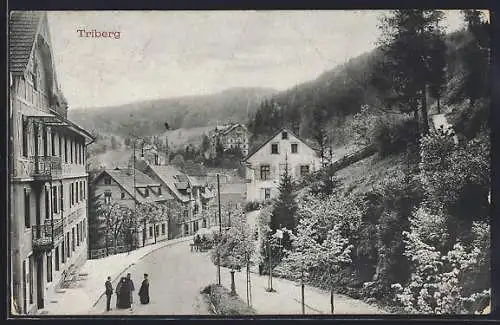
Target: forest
{"points": [[407, 228]]}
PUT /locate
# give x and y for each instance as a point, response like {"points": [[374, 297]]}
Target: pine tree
{"points": [[283, 215], [413, 62], [476, 56]]}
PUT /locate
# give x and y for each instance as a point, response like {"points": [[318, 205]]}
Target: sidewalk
{"points": [[80, 300], [287, 298]]}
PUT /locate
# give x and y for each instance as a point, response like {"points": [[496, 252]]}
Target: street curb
{"points": [[166, 244]]}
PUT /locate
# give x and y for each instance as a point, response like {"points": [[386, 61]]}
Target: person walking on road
{"points": [[118, 289], [109, 292], [144, 290], [131, 286]]}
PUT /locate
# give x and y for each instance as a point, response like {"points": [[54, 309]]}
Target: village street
{"points": [[177, 275]]}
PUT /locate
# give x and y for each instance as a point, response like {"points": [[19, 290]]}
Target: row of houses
{"points": [[189, 195]]}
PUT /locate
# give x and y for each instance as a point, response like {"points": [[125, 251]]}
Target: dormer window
{"points": [[159, 190], [123, 195], [107, 180], [146, 192], [284, 135]]}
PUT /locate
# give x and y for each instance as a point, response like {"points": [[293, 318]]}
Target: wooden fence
{"points": [[100, 253]]}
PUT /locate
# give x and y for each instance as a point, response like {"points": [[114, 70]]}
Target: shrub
{"points": [[224, 303], [391, 135], [252, 206]]}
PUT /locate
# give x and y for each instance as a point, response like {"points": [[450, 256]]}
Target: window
{"points": [[107, 180], [150, 231], [84, 230], [73, 239], [62, 251], [304, 170], [66, 150], [265, 172], [60, 145], [25, 138], [61, 196], [72, 193], [53, 143], [77, 197], [204, 223], [295, 147], [146, 192], [159, 190], [186, 229], [54, 199], [163, 229], [274, 148], [57, 258], [77, 234], [30, 278], [186, 213], [284, 135], [68, 250], [71, 150], [107, 197], [123, 195], [267, 193], [47, 204], [27, 209], [157, 230], [49, 268]]}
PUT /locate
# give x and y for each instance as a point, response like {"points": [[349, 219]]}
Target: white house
{"points": [[267, 163]]}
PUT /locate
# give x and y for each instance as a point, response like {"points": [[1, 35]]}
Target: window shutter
{"points": [[262, 194]]}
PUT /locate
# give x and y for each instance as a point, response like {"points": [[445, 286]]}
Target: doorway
{"points": [[39, 282]]}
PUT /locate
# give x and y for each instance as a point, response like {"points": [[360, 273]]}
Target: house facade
{"points": [[191, 193], [130, 188], [266, 164], [47, 174], [230, 137]]}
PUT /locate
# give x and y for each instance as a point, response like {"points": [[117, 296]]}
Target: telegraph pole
{"points": [[220, 229]]}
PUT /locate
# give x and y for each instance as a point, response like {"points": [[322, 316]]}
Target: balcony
{"points": [[45, 235], [44, 168]]}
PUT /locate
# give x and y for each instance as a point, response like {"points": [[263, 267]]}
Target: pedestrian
{"points": [[124, 296], [109, 292], [118, 289], [144, 290], [131, 286]]}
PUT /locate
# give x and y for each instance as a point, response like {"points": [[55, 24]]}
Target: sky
{"points": [[161, 54]]}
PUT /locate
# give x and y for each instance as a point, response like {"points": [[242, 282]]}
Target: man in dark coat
{"points": [[124, 295], [109, 292], [131, 286], [144, 290]]}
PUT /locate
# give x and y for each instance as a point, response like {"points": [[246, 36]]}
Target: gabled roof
{"points": [[232, 127], [272, 137], [170, 176], [23, 28], [125, 179]]}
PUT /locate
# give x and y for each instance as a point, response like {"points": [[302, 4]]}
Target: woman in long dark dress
{"points": [[124, 295], [144, 290]]}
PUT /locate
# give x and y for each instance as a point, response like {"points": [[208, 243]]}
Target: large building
{"points": [[130, 188], [266, 164], [230, 137], [48, 178]]}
